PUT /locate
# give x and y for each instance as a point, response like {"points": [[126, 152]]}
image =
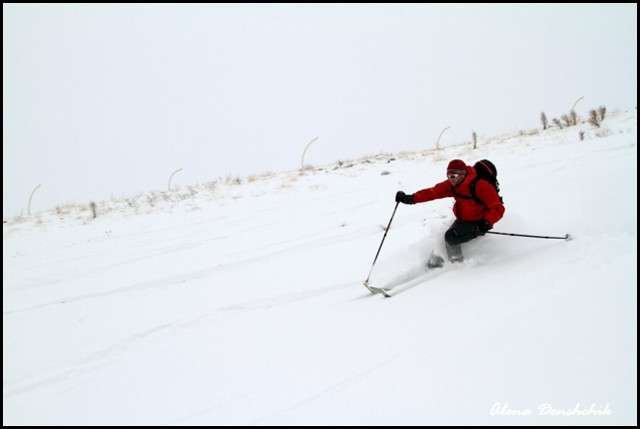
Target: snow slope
{"points": [[243, 304]]}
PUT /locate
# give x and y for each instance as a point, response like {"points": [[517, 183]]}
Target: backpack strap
{"points": [[472, 188]]}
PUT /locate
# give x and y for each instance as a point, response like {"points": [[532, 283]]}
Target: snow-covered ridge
{"points": [[218, 191]]}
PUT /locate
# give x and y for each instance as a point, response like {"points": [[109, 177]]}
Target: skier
{"points": [[476, 210]]}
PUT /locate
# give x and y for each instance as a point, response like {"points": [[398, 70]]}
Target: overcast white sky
{"points": [[109, 100]]}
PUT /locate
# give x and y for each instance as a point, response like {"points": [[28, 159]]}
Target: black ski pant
{"points": [[461, 232]]}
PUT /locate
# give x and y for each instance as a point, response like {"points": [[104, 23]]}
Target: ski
{"points": [[429, 273], [377, 290], [391, 291], [434, 267]]}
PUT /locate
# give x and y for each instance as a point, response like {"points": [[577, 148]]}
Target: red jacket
{"points": [[467, 209]]}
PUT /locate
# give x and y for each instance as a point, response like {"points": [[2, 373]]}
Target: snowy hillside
{"points": [[243, 304]]}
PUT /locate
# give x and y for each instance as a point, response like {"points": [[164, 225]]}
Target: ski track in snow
{"points": [[251, 310]]}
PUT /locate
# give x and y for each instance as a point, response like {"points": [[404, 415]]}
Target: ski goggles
{"points": [[454, 175]]}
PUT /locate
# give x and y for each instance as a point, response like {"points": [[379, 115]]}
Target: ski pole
{"points": [[566, 237], [366, 282]]}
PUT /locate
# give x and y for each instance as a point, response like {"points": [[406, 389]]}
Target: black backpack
{"points": [[485, 170]]}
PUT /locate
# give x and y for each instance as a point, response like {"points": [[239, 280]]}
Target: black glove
{"points": [[483, 227], [403, 198]]}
